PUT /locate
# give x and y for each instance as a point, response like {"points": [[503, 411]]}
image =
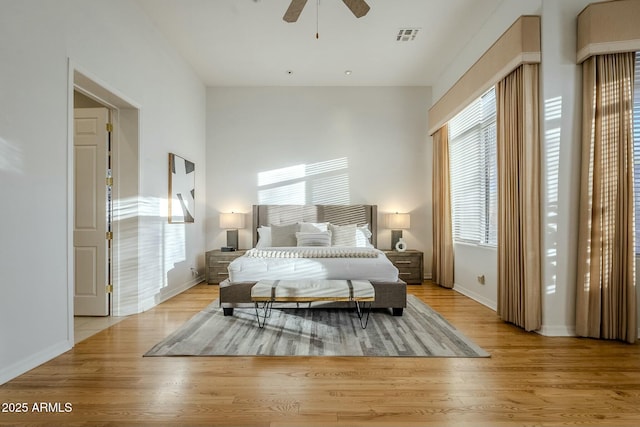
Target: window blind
{"points": [[472, 156], [636, 150]]}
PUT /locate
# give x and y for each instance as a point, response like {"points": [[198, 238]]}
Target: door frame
{"points": [[125, 117]]}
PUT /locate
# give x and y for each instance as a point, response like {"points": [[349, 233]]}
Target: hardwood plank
{"points": [[529, 379]]}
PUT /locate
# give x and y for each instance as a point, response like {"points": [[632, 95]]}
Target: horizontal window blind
{"points": [[472, 154], [636, 150]]}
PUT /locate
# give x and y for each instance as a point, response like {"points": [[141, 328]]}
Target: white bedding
{"points": [[254, 268]]}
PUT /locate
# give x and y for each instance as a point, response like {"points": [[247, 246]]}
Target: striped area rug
{"points": [[419, 332]]}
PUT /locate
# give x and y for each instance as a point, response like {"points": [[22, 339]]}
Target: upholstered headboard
{"points": [[335, 214]]}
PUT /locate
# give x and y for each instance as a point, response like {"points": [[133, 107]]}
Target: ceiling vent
{"points": [[407, 34]]}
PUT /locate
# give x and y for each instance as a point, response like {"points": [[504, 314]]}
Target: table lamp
{"points": [[231, 222], [397, 222]]}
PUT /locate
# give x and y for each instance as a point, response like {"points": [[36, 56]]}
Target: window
{"points": [[636, 149], [474, 184]]}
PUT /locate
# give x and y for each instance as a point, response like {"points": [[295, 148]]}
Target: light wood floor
{"points": [[529, 380]]}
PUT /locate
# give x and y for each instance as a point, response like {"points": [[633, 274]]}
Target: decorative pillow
{"points": [[264, 237], [321, 238], [284, 235], [363, 236], [343, 235], [313, 227]]}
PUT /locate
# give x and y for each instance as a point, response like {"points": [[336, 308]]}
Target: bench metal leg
{"points": [[361, 313], [266, 312]]}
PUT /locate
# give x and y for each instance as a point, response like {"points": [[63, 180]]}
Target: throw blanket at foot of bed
{"points": [[312, 290], [313, 252]]}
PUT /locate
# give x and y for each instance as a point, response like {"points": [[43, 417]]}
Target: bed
{"points": [[289, 244]]}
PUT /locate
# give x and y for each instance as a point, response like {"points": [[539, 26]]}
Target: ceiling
{"points": [[246, 42]]}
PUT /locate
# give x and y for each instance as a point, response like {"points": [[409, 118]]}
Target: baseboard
{"points": [[545, 330], [165, 296], [562, 331], [557, 331], [12, 371], [24, 365], [476, 297], [549, 331]]}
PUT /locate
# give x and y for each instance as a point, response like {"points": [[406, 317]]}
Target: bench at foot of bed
{"points": [[267, 292], [396, 311], [389, 295]]}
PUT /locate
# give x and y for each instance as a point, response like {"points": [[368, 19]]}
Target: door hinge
{"points": [[109, 181], [109, 235], [109, 289], [109, 127]]}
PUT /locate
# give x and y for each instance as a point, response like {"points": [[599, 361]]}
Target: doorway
{"points": [[121, 273]]}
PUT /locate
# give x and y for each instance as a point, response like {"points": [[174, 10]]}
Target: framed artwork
{"points": [[182, 182]]}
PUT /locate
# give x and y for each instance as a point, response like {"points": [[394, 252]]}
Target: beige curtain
{"points": [[442, 234], [518, 152], [606, 294]]}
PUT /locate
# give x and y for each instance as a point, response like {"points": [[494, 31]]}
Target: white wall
{"points": [[561, 98], [114, 41], [371, 143]]}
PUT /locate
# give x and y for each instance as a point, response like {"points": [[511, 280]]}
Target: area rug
{"points": [[419, 332]]}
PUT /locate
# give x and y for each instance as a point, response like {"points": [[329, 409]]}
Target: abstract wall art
{"points": [[182, 184]]}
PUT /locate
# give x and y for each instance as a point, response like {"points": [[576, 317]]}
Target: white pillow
{"points": [[343, 235], [264, 237], [312, 227], [363, 236], [321, 238], [284, 235]]}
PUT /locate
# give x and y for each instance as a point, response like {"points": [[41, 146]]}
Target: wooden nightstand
{"points": [[410, 264], [217, 263]]}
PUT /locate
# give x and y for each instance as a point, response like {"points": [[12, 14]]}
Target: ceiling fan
{"points": [[358, 7]]}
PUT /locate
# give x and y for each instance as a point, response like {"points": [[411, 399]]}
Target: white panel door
{"points": [[90, 212]]}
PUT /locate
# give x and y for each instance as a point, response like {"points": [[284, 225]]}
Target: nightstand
{"points": [[410, 264], [217, 263]]}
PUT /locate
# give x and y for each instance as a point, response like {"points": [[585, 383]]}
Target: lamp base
{"points": [[395, 236], [232, 239], [401, 246]]}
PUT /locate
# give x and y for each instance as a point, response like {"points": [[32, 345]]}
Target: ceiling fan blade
{"points": [[294, 10], [358, 7]]}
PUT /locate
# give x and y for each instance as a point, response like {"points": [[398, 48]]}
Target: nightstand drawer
{"points": [[218, 263], [223, 257], [409, 275], [218, 271], [410, 265], [407, 262]]}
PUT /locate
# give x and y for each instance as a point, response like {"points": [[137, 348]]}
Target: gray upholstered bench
{"points": [[266, 292]]}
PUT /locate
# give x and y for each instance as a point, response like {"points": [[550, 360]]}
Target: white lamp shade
{"points": [[398, 221], [231, 221]]}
